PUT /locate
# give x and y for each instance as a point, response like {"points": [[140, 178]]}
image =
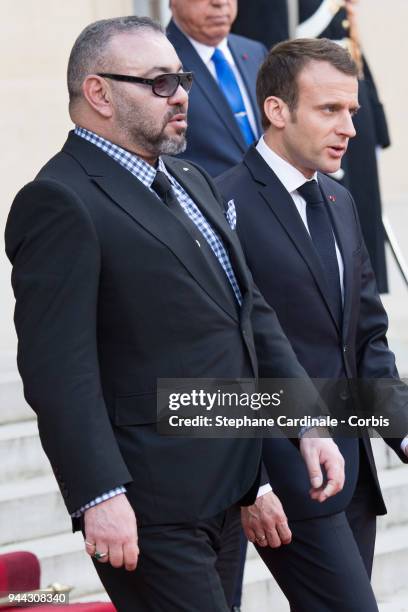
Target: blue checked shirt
{"points": [[146, 174]]}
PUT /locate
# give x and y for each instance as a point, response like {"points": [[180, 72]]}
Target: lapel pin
{"points": [[186, 169], [332, 198], [245, 56]]}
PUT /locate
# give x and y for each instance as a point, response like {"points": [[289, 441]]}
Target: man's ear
{"points": [[97, 93], [276, 111]]}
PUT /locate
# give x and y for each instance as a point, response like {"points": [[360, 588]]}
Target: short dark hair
{"points": [[88, 54], [278, 75]]}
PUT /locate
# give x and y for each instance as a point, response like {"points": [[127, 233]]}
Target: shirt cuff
{"points": [[263, 490], [305, 429], [99, 500], [404, 444]]}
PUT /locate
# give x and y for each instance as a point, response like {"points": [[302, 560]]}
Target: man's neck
{"points": [[119, 142], [288, 174], [276, 147]]}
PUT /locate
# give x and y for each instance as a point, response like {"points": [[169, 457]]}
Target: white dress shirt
{"points": [[205, 52]]}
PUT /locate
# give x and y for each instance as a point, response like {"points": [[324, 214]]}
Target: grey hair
{"points": [[89, 53]]}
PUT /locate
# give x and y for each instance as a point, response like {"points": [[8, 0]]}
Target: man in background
{"points": [[223, 115]]}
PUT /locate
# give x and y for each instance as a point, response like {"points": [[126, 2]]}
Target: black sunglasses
{"points": [[164, 85]]}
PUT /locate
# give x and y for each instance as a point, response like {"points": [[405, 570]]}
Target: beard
{"points": [[144, 133]]}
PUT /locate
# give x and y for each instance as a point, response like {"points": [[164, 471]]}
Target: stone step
{"points": [[63, 560], [21, 455], [394, 485], [385, 458], [398, 602], [13, 406], [391, 561], [31, 509]]}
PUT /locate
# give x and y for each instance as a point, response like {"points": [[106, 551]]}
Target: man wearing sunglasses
{"points": [[125, 270]]}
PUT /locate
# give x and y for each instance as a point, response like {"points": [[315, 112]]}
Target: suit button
{"points": [[244, 333], [344, 396], [345, 348]]}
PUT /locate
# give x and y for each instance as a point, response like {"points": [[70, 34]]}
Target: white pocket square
{"points": [[231, 214]]}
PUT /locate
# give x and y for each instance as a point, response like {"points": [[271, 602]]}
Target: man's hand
{"points": [[110, 529], [317, 451], [265, 522]]}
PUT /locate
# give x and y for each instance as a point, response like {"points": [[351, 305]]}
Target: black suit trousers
{"points": [[327, 567], [182, 568]]}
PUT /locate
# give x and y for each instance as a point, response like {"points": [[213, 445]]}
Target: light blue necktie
{"points": [[228, 83]]}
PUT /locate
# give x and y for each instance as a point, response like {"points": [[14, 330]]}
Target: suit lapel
{"points": [[204, 81], [143, 207], [283, 207]]}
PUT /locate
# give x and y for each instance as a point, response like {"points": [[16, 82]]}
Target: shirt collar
{"points": [[206, 52], [135, 164], [289, 176]]}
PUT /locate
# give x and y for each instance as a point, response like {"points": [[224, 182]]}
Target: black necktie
{"points": [[162, 186], [321, 232]]}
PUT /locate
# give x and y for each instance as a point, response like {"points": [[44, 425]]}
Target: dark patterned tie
{"points": [[321, 233], [222, 270], [162, 186]]}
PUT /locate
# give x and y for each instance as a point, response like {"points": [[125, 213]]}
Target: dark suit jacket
{"points": [[113, 293], [286, 269], [263, 20], [214, 139]]}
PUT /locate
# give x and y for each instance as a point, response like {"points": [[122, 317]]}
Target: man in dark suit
{"points": [[337, 21], [125, 270], [223, 115], [303, 243]]}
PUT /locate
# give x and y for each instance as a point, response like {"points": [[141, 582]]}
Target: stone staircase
{"points": [[33, 517], [32, 514]]}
